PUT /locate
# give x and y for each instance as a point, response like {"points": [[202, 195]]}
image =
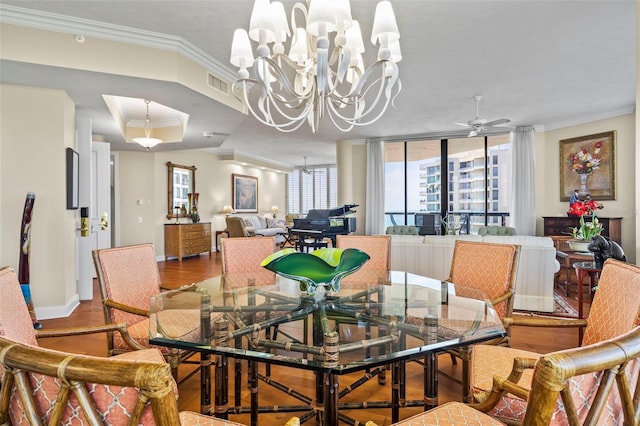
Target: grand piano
{"points": [[324, 223]]}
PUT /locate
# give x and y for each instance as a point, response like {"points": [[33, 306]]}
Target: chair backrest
{"points": [[616, 304], [244, 255], [43, 386], [15, 321], [597, 384], [288, 219], [236, 227], [378, 247], [488, 267], [127, 275]]}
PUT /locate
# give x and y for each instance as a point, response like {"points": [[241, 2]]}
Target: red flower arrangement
{"points": [[581, 208]]}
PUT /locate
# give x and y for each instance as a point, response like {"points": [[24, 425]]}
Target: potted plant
{"points": [[582, 235]]}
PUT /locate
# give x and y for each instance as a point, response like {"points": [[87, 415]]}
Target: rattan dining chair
{"points": [[376, 269], [590, 385], [44, 386], [615, 310], [491, 268], [129, 278]]}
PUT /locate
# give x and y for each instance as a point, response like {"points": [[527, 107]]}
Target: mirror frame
{"points": [[192, 178]]}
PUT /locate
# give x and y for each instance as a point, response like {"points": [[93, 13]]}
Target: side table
{"points": [[582, 270], [567, 258], [218, 233]]}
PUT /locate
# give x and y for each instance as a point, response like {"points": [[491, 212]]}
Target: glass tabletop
{"points": [[389, 316]]}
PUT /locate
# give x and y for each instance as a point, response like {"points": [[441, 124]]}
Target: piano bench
{"points": [[305, 244]]}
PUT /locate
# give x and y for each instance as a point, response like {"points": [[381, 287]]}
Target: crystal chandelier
{"points": [[315, 79], [147, 141]]}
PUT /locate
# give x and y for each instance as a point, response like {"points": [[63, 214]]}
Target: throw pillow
{"points": [[272, 223]]}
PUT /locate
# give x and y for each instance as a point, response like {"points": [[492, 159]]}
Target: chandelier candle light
{"points": [[314, 79]]}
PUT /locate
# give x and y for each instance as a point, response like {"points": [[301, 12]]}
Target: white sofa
{"points": [[431, 256], [266, 227]]}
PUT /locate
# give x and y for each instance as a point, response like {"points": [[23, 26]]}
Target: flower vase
{"points": [[584, 177], [581, 246], [193, 206]]}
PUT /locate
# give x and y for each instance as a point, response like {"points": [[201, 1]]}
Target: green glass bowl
{"points": [[325, 266]]}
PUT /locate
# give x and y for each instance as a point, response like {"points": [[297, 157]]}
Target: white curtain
{"points": [[374, 213], [523, 198]]}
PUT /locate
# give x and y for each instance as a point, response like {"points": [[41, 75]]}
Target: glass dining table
{"points": [[371, 325]]}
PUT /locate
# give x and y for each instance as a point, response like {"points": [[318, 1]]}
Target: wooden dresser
{"points": [[186, 239], [558, 225]]}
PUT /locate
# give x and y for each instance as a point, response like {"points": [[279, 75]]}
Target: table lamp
{"points": [[226, 210]]}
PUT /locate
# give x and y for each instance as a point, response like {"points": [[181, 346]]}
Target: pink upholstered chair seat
{"points": [[451, 413], [177, 323], [488, 361]]}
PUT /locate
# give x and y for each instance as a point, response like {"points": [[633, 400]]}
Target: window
{"points": [[314, 188], [471, 183], [411, 171]]}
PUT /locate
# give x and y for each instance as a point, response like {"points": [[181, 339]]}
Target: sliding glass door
{"points": [[412, 181]]}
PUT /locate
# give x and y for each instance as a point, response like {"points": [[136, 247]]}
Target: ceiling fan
{"points": [[305, 169], [479, 125]]}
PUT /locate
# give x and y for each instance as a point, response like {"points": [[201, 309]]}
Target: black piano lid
{"points": [[328, 213]]}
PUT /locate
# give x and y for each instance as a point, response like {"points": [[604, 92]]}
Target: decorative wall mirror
{"points": [[181, 181]]}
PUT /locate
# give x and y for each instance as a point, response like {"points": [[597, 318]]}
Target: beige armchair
{"points": [[236, 227]]}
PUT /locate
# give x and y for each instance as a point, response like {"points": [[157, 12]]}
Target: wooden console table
{"points": [[558, 225], [186, 239]]}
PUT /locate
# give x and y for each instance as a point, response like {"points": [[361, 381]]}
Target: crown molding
{"points": [[577, 121], [79, 26]]}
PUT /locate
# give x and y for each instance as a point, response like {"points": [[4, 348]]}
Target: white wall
{"points": [[143, 176], [37, 125]]}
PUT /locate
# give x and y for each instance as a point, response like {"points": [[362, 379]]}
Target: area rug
{"points": [[561, 308]]}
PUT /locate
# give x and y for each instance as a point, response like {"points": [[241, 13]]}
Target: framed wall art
{"points": [[587, 163], [244, 193], [73, 171]]}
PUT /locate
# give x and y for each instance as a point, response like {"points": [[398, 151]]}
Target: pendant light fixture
{"points": [[147, 141]]}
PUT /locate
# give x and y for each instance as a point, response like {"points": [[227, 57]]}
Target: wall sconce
{"points": [[226, 210], [274, 210]]}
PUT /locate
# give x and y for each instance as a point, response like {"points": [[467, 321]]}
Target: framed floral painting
{"points": [[587, 164]]}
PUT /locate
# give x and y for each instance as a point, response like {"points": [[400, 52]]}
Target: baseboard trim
{"points": [[61, 311]]}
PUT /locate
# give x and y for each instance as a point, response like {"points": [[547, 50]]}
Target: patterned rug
{"points": [[561, 308]]}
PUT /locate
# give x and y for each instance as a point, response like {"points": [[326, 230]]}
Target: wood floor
{"points": [[174, 274]]}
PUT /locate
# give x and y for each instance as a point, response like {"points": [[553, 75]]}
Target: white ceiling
{"points": [[543, 63]]}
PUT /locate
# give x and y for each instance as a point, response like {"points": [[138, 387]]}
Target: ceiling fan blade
{"points": [[497, 122], [462, 124]]}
